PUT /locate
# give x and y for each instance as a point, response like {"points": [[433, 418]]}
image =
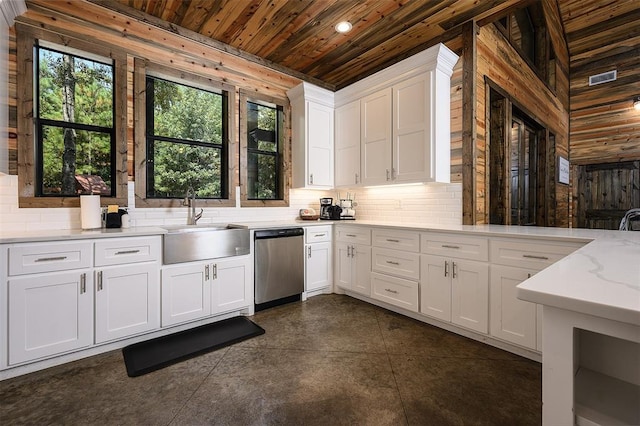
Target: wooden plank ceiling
{"points": [[299, 35]]}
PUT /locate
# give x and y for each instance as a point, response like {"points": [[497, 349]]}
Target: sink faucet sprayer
{"points": [[190, 201]]}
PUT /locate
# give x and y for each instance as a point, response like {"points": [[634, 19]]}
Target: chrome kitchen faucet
{"points": [[190, 201]]}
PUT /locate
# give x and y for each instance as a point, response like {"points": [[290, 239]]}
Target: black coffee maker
{"points": [[325, 208]]}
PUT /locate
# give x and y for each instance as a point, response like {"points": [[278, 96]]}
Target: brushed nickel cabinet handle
{"points": [[390, 262], [348, 251], [83, 283], [391, 240], [391, 291], [127, 252], [531, 256], [388, 175], [311, 178], [353, 251], [215, 271], [351, 235], [450, 246], [206, 272], [356, 178], [319, 235], [455, 273], [99, 280], [50, 259], [446, 268], [309, 252]]}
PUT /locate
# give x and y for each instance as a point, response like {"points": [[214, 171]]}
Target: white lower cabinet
{"points": [[396, 291], [231, 286], [512, 319], [127, 301], [198, 290], [318, 258], [186, 293], [49, 314], [318, 266], [353, 267], [455, 290]]}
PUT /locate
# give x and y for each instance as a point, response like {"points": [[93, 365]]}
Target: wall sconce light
{"points": [[636, 103]]}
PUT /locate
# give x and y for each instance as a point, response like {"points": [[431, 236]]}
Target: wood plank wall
{"points": [[501, 64]]}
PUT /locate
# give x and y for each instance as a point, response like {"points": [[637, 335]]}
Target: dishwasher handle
{"points": [[278, 233]]}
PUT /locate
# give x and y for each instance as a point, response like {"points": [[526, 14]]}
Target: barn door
{"points": [[604, 192]]}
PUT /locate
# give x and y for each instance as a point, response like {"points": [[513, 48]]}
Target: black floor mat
{"points": [[145, 357]]}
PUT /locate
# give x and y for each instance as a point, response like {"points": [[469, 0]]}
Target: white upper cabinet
{"points": [[404, 122], [312, 116], [347, 144], [375, 128]]}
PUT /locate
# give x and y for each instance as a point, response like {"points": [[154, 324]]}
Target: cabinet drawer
{"points": [[458, 246], [317, 234], [396, 291], [49, 257], [396, 262], [400, 240], [116, 251], [529, 254], [353, 235]]}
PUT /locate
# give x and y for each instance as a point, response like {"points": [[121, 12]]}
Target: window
{"points": [[264, 142], [184, 138], [186, 134], [71, 120], [526, 30], [264, 150], [75, 127]]}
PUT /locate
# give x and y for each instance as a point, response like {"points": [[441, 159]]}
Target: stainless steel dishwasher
{"points": [[279, 266]]}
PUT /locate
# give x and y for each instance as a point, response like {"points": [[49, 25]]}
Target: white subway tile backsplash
{"points": [[439, 204]]}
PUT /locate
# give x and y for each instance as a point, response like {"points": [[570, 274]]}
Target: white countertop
{"points": [[601, 279]]}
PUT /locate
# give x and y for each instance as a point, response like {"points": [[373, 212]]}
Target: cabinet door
{"points": [[347, 144], [411, 130], [511, 319], [435, 294], [49, 314], [361, 258], [375, 131], [470, 294], [127, 301], [230, 285], [186, 293], [320, 145], [343, 269], [318, 266]]}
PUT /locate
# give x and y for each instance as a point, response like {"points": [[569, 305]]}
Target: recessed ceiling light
{"points": [[343, 27]]}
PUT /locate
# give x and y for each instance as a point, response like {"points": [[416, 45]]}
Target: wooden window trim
{"points": [[141, 69], [286, 150], [25, 38]]}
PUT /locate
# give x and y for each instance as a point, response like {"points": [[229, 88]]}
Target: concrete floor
{"points": [[331, 360]]}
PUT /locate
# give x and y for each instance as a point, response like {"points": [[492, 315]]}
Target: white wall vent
{"points": [[605, 77]]}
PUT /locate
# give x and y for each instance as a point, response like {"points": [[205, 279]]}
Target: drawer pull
{"points": [[531, 256], [450, 246], [391, 291], [51, 259], [351, 235], [319, 235], [127, 252], [391, 262], [391, 240]]}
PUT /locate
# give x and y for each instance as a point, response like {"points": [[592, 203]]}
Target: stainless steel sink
{"points": [[187, 243]]}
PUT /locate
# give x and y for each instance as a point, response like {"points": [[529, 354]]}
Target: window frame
{"points": [[285, 154], [29, 179], [143, 69]]}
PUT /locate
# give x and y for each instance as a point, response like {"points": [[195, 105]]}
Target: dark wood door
{"points": [[604, 192]]}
